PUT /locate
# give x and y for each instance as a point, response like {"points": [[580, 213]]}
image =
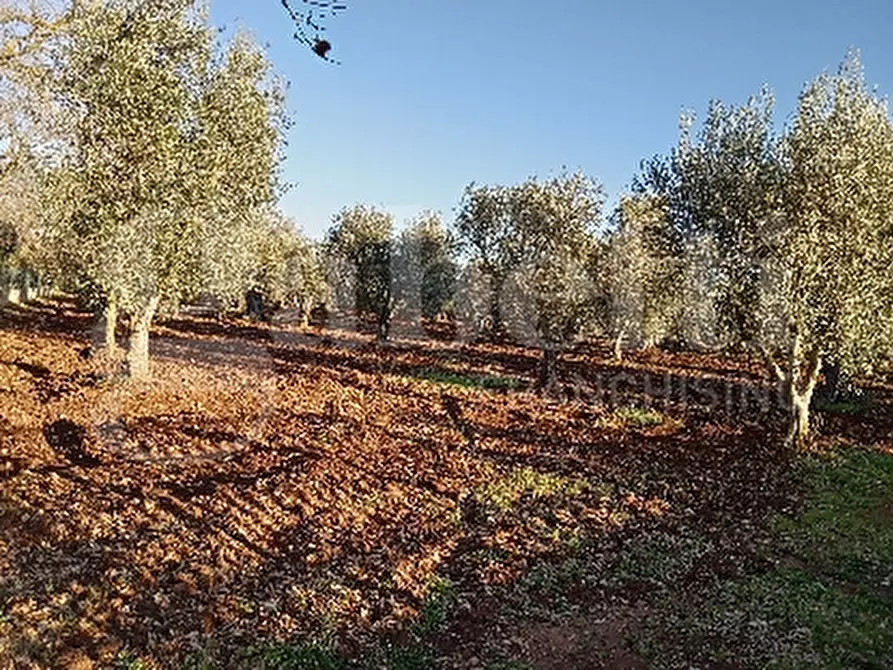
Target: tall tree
{"points": [[801, 228], [174, 147], [636, 270], [829, 257], [31, 127], [722, 184]]}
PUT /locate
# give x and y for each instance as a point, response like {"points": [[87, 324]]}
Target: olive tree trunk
{"points": [[383, 327], [383, 313], [496, 329], [618, 344], [798, 381], [138, 356], [305, 308], [548, 372]]}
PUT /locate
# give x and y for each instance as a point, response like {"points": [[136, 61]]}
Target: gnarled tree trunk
{"points": [[798, 382], [138, 356], [798, 427]]}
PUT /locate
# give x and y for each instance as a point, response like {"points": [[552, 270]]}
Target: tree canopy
{"points": [[361, 237], [169, 147], [801, 225]]}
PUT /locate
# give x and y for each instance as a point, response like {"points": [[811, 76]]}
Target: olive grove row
{"points": [[140, 169]]}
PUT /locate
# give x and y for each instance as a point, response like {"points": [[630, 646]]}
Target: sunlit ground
{"points": [[305, 497]]}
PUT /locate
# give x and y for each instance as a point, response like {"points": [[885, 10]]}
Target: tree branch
{"points": [[774, 368]]}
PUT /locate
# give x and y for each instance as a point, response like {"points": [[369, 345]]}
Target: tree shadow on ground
{"points": [[50, 386], [266, 517], [592, 382], [589, 380], [57, 317], [193, 531], [68, 439]]}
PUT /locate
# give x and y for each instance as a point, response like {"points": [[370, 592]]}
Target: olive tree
{"points": [[361, 242], [801, 229], [721, 184], [699, 296], [287, 270], [31, 129], [174, 147], [829, 254], [473, 302], [18, 210], [553, 224], [636, 271], [424, 267], [485, 231]]}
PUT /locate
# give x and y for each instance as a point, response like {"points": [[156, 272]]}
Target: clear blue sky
{"points": [[433, 94]]}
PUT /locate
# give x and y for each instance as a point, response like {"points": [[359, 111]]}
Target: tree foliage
{"points": [[533, 242], [174, 145], [485, 232], [801, 227], [828, 269], [636, 271], [287, 270], [721, 185], [425, 267], [555, 222], [361, 241]]}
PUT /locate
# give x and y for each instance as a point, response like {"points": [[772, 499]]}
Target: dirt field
{"points": [[274, 486]]}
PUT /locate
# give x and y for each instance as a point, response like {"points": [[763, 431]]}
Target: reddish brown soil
{"points": [[273, 483]]}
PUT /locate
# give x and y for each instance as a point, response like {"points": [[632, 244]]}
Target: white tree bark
{"points": [[618, 344], [138, 356], [798, 380]]}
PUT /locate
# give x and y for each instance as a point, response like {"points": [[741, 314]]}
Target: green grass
{"points": [[309, 656], [858, 405], [415, 654], [846, 530], [660, 559], [305, 656], [827, 603], [408, 657], [784, 618], [503, 493], [435, 609], [466, 380], [126, 661], [634, 417]]}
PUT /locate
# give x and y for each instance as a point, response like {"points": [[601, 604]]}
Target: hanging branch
{"points": [[309, 23]]}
